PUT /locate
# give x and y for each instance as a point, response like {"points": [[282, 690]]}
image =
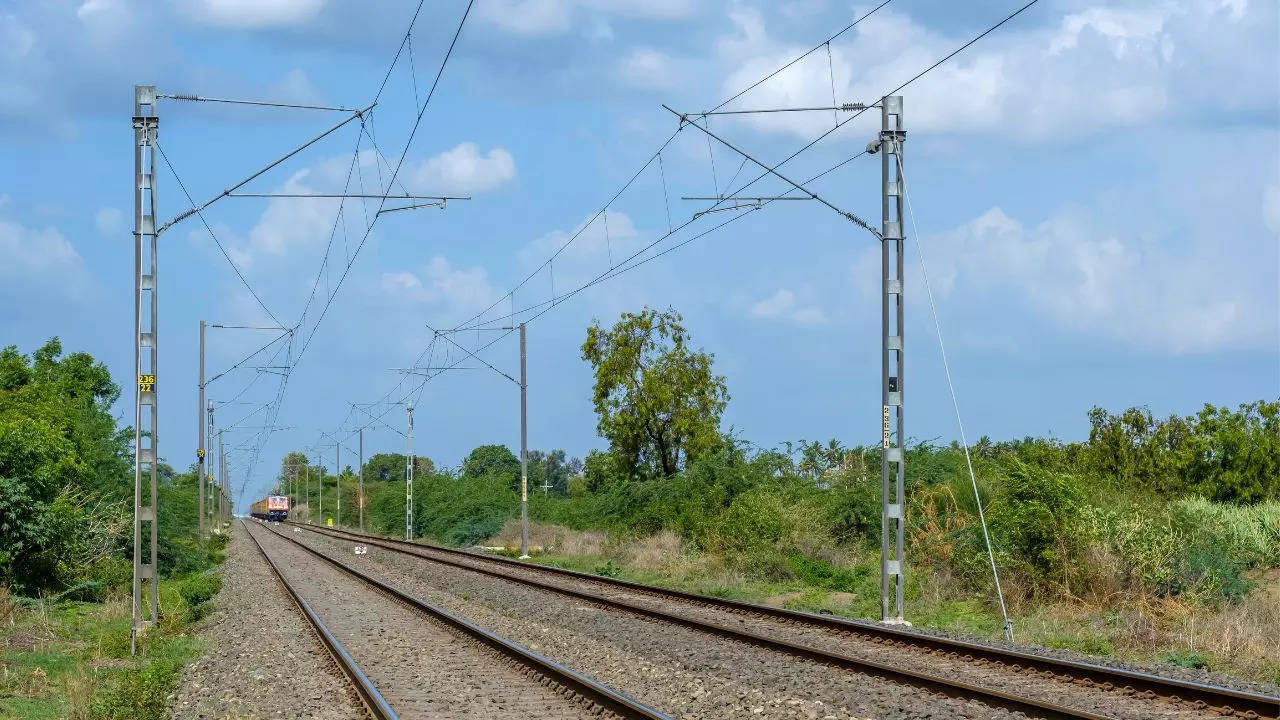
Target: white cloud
{"points": [[646, 67], [41, 257], [1073, 271], [1097, 68], [110, 221], [783, 305], [1271, 208], [255, 14], [526, 17], [547, 17], [440, 284], [464, 170]]}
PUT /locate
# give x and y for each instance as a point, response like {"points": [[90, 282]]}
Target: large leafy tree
{"points": [[63, 464], [491, 460], [658, 400], [394, 465]]}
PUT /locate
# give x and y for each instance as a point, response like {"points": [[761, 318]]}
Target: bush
{"points": [[138, 695], [1036, 519]]}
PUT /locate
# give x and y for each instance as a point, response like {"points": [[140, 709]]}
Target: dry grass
{"points": [[80, 689], [1238, 639], [8, 611], [657, 553]]}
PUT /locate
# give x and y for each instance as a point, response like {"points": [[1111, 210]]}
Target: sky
{"points": [[1095, 187]]}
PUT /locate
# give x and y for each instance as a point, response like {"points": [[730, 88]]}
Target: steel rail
{"points": [[589, 689], [933, 683], [373, 701], [1221, 699]]}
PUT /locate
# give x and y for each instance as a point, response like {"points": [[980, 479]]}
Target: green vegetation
{"points": [[1154, 539], [658, 401], [66, 517]]}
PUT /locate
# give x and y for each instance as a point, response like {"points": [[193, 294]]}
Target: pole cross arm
{"points": [[773, 170]]}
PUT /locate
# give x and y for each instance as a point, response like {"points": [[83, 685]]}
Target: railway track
{"points": [[968, 669], [408, 658]]}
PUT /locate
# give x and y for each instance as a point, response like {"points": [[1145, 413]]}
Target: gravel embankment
{"points": [[684, 672], [423, 667], [1110, 703], [262, 660]]}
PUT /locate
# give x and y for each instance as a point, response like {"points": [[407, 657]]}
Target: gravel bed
{"points": [[1160, 669], [262, 659], [1112, 704], [684, 672], [422, 666]]}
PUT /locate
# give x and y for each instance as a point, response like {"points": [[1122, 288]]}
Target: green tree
{"points": [[394, 465], [659, 401], [492, 460], [63, 465]]}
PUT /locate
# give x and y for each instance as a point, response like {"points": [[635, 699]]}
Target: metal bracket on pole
{"points": [[893, 441], [146, 126]]}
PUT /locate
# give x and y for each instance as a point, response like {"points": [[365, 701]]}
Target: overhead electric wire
{"points": [[622, 267], [198, 98], [198, 208], [408, 143], [200, 211], [856, 115], [250, 356], [844, 213], [802, 56]]}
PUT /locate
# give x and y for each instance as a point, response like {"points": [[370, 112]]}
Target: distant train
{"points": [[274, 508]]}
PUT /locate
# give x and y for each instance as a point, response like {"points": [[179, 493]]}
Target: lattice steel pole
{"points": [[524, 454], [408, 480], [146, 126], [360, 480], [222, 476], [320, 506], [893, 442], [200, 451], [207, 479]]}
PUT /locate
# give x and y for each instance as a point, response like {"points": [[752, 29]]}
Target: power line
{"points": [[802, 56], [844, 213], [200, 211], [198, 98], [623, 267]]}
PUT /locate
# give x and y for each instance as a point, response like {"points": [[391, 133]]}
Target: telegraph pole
{"points": [[360, 480], [892, 461], [146, 127], [337, 469], [200, 452], [408, 480], [524, 455]]}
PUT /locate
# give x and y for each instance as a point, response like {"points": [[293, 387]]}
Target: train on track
{"points": [[273, 507]]}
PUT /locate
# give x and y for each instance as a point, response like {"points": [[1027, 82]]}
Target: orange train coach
{"points": [[274, 508]]}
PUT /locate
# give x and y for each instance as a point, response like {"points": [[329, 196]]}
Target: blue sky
{"points": [[1097, 187]]}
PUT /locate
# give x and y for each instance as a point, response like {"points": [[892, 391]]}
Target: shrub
{"points": [[1036, 519]]}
